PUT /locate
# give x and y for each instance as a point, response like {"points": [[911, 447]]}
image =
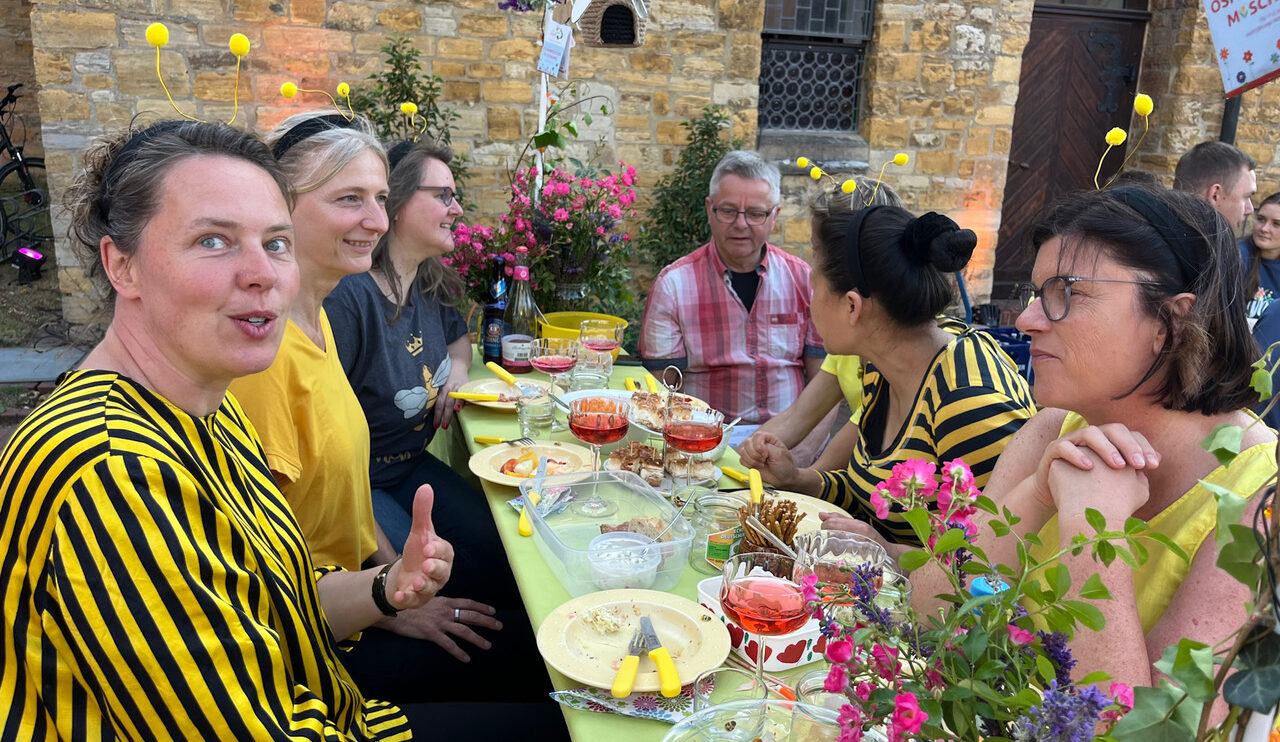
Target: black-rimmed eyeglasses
{"points": [[1055, 292], [447, 195], [729, 215]]}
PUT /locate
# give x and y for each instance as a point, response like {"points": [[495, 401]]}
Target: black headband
{"points": [[1183, 242], [853, 255], [308, 129]]}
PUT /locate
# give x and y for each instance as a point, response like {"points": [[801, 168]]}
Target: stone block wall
{"points": [[942, 83], [16, 66], [97, 71], [1180, 73]]}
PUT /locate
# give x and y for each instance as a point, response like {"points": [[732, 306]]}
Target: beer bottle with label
{"points": [[521, 318], [494, 327]]}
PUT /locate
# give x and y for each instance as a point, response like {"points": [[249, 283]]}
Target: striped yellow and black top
{"points": [[969, 404], [156, 585]]}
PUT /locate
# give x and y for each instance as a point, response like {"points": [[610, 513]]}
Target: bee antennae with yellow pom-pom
{"points": [[239, 45], [1143, 106], [899, 159], [158, 35]]}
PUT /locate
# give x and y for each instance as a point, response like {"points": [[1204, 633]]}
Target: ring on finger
{"points": [[457, 614]]}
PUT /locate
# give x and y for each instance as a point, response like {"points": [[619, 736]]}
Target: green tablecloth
{"points": [[539, 589]]}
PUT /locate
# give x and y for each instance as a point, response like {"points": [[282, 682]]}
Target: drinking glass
{"points": [[745, 721], [597, 421], [759, 595], [724, 684], [553, 357], [846, 564], [601, 335], [593, 369], [698, 433]]}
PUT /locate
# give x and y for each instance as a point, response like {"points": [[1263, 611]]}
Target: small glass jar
{"points": [[716, 528]]}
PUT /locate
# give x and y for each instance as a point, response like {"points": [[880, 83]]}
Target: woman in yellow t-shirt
{"points": [[1138, 327]]}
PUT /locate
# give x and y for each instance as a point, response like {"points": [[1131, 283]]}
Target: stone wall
{"points": [[943, 91], [97, 71], [16, 66], [1180, 73]]}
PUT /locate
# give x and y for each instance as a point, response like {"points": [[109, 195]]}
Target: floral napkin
{"points": [[644, 705]]}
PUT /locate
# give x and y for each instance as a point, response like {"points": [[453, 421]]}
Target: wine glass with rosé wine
{"points": [[760, 596], [554, 357], [597, 421], [601, 335], [696, 432]]}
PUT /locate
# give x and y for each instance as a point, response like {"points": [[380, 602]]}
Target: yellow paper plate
{"points": [[696, 639], [498, 386], [487, 462]]}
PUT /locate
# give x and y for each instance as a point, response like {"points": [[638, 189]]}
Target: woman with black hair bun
{"points": [[933, 388]]}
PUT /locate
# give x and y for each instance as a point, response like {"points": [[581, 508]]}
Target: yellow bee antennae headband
{"points": [[849, 186], [290, 89], [1142, 105], [410, 110], [158, 35]]}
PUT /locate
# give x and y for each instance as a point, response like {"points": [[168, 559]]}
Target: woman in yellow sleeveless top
{"points": [[1138, 327]]}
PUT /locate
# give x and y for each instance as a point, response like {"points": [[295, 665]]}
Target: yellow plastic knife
{"points": [[488, 440], [625, 680], [651, 383], [668, 678], [631, 384], [501, 373], [525, 527], [757, 487], [476, 396], [735, 474]]}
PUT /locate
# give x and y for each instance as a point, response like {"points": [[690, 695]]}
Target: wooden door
{"points": [[1079, 72]]}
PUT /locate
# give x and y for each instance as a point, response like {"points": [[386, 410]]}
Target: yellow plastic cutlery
{"points": [[735, 474], [757, 488], [651, 382], [668, 678], [631, 384], [476, 396], [625, 680], [501, 373], [525, 528]]}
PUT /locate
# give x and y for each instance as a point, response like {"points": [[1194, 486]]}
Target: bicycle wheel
{"points": [[25, 203]]}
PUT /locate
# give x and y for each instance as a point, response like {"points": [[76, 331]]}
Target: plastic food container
{"points": [[621, 560], [564, 537], [781, 652]]}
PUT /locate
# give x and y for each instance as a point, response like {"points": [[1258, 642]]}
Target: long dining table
{"points": [[539, 589]]}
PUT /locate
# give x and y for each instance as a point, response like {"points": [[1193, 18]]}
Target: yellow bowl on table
{"points": [[569, 324]]}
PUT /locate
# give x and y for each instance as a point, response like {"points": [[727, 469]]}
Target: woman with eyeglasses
{"points": [[933, 389], [404, 347], [1140, 349]]}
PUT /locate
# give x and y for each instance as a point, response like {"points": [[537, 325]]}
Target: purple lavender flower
{"points": [[1065, 714], [1056, 649]]}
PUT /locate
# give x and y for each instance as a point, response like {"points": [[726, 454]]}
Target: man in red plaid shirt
{"points": [[733, 315]]}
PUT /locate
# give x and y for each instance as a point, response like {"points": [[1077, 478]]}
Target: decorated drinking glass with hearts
{"points": [[759, 595]]}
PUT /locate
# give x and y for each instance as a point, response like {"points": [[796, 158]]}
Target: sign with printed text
{"points": [[1246, 41], [556, 42]]}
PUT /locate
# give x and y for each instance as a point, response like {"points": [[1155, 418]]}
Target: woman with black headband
{"points": [[933, 389], [1140, 349]]}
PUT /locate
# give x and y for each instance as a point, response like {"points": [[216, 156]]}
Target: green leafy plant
{"points": [[677, 221], [400, 81]]}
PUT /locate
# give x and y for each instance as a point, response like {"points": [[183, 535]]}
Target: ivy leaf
{"points": [[1239, 558], [1093, 589], [1224, 442], [913, 560], [1257, 684], [1190, 665], [1261, 383], [1230, 509], [1157, 716], [549, 139], [571, 127], [586, 117]]}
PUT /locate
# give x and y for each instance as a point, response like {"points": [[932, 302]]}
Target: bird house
{"points": [[613, 23]]}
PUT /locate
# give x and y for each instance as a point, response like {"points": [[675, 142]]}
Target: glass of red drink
{"points": [[597, 421], [601, 335], [759, 594], [554, 357], [849, 566], [697, 432]]}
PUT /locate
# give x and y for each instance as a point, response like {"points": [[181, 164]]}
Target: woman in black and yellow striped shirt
{"points": [[933, 389], [156, 584]]}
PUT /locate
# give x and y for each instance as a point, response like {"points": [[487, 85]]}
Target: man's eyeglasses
{"points": [[729, 215], [447, 195], [1055, 292]]}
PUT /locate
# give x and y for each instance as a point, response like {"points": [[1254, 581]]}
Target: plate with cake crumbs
{"points": [[586, 638]]}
